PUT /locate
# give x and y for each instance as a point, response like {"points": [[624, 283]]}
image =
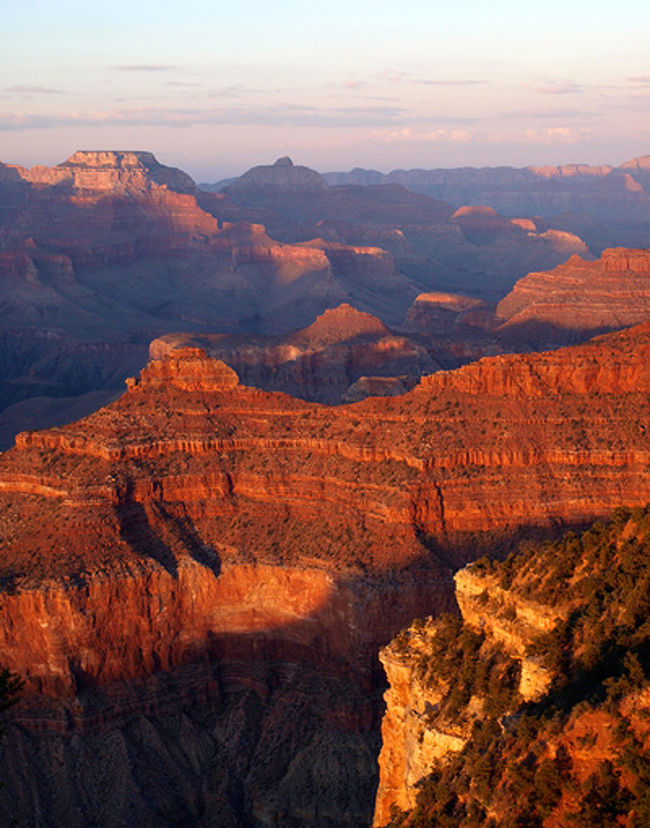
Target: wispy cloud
{"points": [[183, 84], [555, 135], [394, 76], [563, 87], [355, 84], [463, 82], [10, 122], [31, 90], [643, 80], [235, 90], [413, 136], [280, 115], [544, 114], [145, 67]]}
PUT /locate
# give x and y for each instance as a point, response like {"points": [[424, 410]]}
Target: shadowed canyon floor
{"points": [[197, 578]]}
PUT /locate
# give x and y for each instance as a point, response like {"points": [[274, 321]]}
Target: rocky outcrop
{"points": [[410, 745], [188, 369], [320, 363], [578, 297], [530, 707], [96, 171], [437, 314], [338, 325], [618, 364]]}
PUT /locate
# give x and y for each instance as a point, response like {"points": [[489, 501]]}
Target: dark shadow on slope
{"points": [[184, 530], [136, 530]]}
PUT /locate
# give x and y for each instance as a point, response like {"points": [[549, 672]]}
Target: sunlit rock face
{"points": [[536, 673], [207, 550], [579, 296], [108, 170]]}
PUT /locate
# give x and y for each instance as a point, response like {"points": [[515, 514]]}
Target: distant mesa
{"points": [[101, 170], [640, 163], [117, 159], [283, 176]]}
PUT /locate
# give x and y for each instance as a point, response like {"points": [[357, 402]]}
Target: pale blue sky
{"points": [[215, 87]]}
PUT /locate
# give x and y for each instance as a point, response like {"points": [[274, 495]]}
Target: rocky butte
{"points": [[197, 577], [553, 307]]}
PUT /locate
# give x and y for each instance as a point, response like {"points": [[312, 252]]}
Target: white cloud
{"points": [[411, 136]]}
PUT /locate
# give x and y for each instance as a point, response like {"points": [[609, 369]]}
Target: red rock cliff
{"points": [[190, 474]]}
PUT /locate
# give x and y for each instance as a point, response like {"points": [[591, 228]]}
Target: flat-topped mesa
{"points": [[282, 177], [109, 170], [641, 163], [620, 365], [189, 369]]}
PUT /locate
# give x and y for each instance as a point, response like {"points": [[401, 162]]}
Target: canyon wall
{"points": [[532, 708], [196, 521]]}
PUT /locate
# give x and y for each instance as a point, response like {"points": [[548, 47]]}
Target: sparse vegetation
{"points": [[519, 769]]}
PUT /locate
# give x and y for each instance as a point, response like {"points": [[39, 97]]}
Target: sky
{"points": [[216, 88]]}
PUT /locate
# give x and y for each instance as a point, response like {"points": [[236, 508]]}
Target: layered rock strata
{"points": [[577, 297], [196, 520], [324, 362]]}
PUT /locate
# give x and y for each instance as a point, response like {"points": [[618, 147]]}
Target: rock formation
{"points": [[199, 555], [531, 709], [282, 177], [604, 192], [320, 363], [111, 249], [557, 306]]}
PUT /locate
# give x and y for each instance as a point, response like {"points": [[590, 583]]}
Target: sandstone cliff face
{"points": [[410, 744], [529, 710], [577, 297], [198, 521], [187, 462], [107, 170]]}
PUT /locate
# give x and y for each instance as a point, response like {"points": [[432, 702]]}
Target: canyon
{"points": [[338, 393], [197, 577], [109, 250]]}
